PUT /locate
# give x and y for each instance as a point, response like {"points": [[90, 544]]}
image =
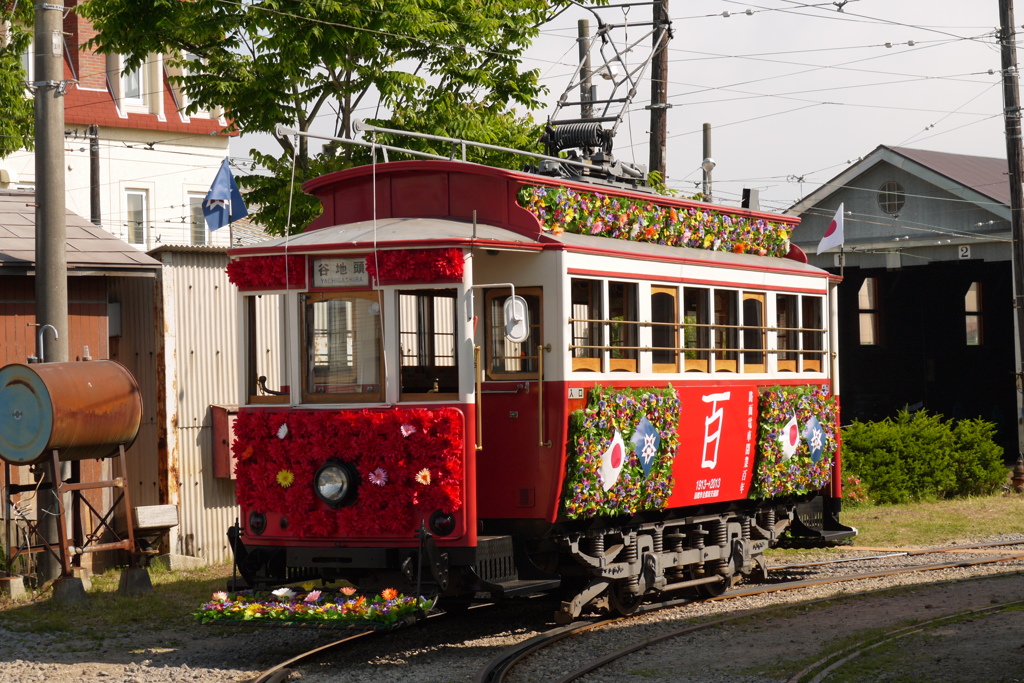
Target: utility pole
{"points": [[94, 176], [1015, 163], [659, 87], [51, 284], [586, 73]]}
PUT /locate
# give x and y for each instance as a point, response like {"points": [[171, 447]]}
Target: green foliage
{"points": [[17, 124], [919, 457], [444, 67]]}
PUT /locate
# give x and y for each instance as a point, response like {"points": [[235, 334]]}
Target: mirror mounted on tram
{"points": [[517, 319]]}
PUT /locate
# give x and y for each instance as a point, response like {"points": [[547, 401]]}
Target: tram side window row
{"points": [[694, 329]]}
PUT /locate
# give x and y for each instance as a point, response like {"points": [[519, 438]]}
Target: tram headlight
{"points": [[257, 522], [442, 523], [335, 483]]}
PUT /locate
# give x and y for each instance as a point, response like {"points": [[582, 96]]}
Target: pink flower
{"points": [[313, 596], [379, 477]]}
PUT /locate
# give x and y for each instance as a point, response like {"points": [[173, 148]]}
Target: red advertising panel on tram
{"points": [[717, 439]]}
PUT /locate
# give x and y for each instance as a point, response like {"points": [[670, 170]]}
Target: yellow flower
{"points": [[308, 586], [285, 478], [423, 476]]}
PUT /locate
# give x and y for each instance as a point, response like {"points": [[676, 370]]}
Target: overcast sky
{"points": [[795, 90]]}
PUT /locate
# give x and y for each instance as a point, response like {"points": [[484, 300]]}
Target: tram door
{"points": [[511, 341]]}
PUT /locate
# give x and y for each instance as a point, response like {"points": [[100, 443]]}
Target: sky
{"points": [[795, 90]]}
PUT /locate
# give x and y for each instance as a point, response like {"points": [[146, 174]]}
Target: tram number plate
{"points": [[575, 392]]}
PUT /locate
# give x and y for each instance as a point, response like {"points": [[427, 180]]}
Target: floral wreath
{"points": [[814, 415], [592, 432], [410, 463], [267, 272], [422, 265], [563, 209]]}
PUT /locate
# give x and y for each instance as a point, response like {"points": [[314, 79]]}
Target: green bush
{"points": [[917, 457]]}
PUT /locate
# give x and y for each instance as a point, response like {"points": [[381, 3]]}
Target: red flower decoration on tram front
{"points": [[267, 272], [373, 442], [423, 265]]}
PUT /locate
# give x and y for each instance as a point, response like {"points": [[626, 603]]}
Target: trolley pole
{"points": [[51, 283], [659, 90], [1015, 163]]}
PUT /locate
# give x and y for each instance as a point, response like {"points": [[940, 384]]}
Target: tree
{"points": [[17, 122], [447, 67]]}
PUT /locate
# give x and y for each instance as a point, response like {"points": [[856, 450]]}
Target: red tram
{"points": [[474, 381]]}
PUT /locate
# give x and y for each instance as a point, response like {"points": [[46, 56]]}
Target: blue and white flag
{"points": [[223, 203], [814, 435], [646, 442]]}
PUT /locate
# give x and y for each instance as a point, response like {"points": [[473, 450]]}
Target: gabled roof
{"points": [[983, 180], [89, 248]]}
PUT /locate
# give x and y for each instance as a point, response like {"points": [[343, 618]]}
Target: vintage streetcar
{"points": [[479, 383]]}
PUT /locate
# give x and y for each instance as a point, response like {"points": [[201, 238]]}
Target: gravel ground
{"points": [[760, 649]]}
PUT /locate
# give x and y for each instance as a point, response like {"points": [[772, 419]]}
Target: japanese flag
{"points": [[611, 461], [790, 438], [833, 233]]}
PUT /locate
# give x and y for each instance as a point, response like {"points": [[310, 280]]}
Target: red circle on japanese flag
{"points": [[616, 455], [831, 228], [793, 434]]}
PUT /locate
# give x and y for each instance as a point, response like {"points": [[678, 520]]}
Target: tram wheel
{"points": [[622, 601], [714, 590]]}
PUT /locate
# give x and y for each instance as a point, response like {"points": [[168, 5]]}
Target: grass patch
{"points": [[936, 523]]}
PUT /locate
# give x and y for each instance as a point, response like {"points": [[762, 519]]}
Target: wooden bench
{"points": [[152, 522]]}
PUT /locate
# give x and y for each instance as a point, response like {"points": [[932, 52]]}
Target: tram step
{"points": [[520, 587]]}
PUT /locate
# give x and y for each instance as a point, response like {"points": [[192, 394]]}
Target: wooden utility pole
{"points": [[659, 88], [51, 283], [1014, 157]]}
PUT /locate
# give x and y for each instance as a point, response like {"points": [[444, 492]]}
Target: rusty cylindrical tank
{"points": [[83, 409]]}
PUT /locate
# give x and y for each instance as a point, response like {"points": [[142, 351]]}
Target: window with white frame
{"points": [[132, 83], [136, 215], [197, 222]]}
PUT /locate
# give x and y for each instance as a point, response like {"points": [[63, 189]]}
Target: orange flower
{"points": [[389, 594], [349, 590], [247, 453]]}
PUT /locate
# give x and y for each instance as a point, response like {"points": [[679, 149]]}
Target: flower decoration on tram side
{"points": [[605, 474], [416, 265], [394, 493], [313, 607], [797, 440], [563, 209], [267, 272]]}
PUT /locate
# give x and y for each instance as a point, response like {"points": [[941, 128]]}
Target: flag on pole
{"points": [[833, 233], [223, 203]]}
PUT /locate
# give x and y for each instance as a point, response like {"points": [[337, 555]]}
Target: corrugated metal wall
{"points": [[205, 332]]}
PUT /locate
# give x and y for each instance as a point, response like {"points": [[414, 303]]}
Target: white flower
{"points": [[284, 593], [283, 431]]}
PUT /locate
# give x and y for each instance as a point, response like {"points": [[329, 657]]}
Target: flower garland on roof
{"points": [[421, 265], [267, 272], [796, 442], [285, 605], [611, 420], [410, 463], [563, 209]]}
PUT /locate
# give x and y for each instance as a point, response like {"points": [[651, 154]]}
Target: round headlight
{"points": [[257, 522], [335, 483], [442, 523]]}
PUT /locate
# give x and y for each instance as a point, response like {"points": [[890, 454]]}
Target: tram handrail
{"points": [[478, 366]]}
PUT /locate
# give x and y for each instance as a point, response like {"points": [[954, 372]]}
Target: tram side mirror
{"points": [[517, 319]]}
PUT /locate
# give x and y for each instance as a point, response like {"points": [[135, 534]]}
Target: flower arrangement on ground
{"points": [[563, 209], [608, 425], [797, 440], [313, 606]]}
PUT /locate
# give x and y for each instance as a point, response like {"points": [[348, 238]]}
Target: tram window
{"points": [[584, 328], [665, 330], [622, 328], [342, 341], [696, 325], [724, 332], [753, 332], [507, 359], [426, 337], [263, 316], [813, 333], [786, 337]]}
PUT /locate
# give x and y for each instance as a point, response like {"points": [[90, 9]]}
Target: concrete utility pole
{"points": [[1014, 157], [94, 176], [659, 90], [586, 73], [51, 227]]}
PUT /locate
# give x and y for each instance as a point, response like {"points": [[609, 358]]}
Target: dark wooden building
{"points": [[926, 302]]}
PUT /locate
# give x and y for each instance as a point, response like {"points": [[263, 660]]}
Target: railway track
{"points": [[497, 669]]}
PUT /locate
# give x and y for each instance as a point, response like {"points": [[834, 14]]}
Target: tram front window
{"points": [[342, 340]]}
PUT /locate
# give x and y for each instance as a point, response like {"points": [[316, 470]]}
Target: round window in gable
{"points": [[891, 197]]}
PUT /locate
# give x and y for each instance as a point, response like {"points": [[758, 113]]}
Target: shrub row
{"points": [[918, 456]]}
